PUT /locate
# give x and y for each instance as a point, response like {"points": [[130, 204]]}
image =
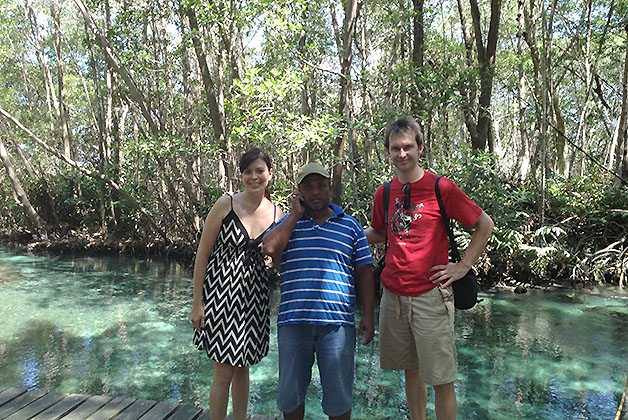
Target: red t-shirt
{"points": [[417, 239]]}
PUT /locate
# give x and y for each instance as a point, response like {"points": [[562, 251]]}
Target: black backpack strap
{"points": [[386, 202], [450, 232]]}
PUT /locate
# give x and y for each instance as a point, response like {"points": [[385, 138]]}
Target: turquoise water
{"points": [[118, 326]]}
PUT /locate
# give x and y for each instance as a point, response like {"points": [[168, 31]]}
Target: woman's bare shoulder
{"points": [[221, 207]]}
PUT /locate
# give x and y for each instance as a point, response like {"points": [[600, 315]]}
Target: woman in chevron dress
{"points": [[230, 310]]}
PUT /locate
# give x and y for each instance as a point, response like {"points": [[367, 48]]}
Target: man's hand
{"points": [[297, 203], [447, 274], [367, 329], [276, 239]]}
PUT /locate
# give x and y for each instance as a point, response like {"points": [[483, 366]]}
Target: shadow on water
{"points": [[119, 326], [47, 357], [80, 326]]}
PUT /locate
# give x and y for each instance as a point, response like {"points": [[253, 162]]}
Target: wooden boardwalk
{"points": [[19, 404]]}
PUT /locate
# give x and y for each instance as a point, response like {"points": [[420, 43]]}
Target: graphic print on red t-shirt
{"points": [[402, 219]]}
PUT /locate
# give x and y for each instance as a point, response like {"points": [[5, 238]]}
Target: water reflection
{"points": [[553, 357], [119, 326]]}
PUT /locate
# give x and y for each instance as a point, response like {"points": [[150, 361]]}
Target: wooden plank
{"points": [[9, 394], [137, 410], [204, 416], [111, 409], [37, 406], [20, 402], [90, 406], [160, 411], [186, 412], [61, 408]]}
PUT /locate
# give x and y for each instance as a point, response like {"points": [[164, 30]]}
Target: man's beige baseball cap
{"points": [[311, 168]]}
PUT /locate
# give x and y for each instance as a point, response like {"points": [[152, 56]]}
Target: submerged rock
{"points": [[520, 290]]}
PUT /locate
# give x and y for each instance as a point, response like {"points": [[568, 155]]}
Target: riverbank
{"points": [[97, 244], [493, 273]]}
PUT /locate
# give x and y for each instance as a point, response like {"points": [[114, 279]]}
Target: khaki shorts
{"points": [[417, 332]]}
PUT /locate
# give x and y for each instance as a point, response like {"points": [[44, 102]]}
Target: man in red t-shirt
{"points": [[416, 320]]}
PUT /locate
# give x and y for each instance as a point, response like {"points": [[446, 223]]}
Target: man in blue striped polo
{"points": [[320, 250]]}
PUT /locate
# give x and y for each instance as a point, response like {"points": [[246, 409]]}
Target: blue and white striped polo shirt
{"points": [[317, 270]]}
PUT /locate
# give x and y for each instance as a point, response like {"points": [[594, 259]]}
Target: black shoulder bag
{"points": [[465, 289], [377, 271]]}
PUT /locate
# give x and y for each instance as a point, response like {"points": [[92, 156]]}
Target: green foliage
{"points": [[12, 218], [583, 216], [75, 199]]}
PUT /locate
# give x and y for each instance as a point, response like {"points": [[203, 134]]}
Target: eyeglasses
{"points": [[406, 197]]}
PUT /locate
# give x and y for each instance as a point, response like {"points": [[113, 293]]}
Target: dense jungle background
{"points": [[121, 122]]}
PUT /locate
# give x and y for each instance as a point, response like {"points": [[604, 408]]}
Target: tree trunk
{"points": [[51, 98], [193, 165], [530, 36], [470, 94], [16, 185], [51, 210], [553, 106], [486, 61], [562, 151], [344, 43], [306, 109], [367, 103], [523, 157], [621, 151], [228, 36], [111, 139], [577, 161], [63, 109], [544, 113], [418, 52], [215, 103]]}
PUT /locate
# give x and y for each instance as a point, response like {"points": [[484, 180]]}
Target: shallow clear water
{"points": [[118, 326]]}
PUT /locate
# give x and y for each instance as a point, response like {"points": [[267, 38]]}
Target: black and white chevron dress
{"points": [[235, 297]]}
